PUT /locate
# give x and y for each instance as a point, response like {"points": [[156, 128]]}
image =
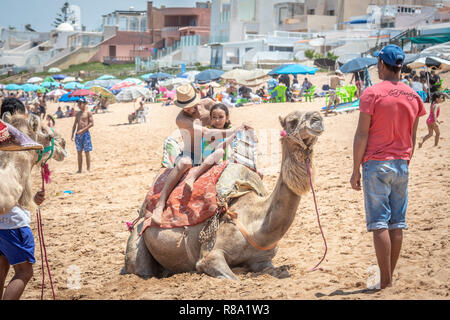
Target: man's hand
{"points": [[39, 197], [355, 180]]}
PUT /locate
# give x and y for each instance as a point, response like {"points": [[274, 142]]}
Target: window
{"points": [[232, 55], [247, 10], [283, 15], [225, 11], [123, 23], [312, 11], [144, 24], [134, 24], [331, 12]]}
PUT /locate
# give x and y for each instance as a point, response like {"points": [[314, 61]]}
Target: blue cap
{"points": [[392, 55]]}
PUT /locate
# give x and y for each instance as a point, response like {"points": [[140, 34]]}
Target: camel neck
{"points": [[283, 203]]}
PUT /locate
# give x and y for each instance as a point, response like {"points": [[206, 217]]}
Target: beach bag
{"points": [[245, 149], [171, 151]]}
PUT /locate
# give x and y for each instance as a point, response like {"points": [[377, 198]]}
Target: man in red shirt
{"points": [[384, 144]]}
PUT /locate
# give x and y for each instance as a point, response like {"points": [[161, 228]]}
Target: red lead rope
{"points": [[308, 168], [42, 247]]}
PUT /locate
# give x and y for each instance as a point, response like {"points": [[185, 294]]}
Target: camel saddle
{"points": [[185, 208], [12, 139]]}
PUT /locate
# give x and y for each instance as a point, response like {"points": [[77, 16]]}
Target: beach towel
{"points": [[185, 208], [171, 151]]}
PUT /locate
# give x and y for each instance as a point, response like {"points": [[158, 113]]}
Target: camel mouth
{"points": [[314, 132]]}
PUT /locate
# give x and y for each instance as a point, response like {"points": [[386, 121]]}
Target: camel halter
{"points": [[244, 232], [284, 134], [50, 148]]}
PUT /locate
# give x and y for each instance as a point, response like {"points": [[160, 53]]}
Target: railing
{"points": [[398, 40], [118, 60]]}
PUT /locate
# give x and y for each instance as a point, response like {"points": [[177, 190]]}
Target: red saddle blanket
{"points": [[185, 208]]}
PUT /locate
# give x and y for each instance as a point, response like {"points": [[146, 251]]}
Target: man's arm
{"points": [[75, 124], [359, 148]]}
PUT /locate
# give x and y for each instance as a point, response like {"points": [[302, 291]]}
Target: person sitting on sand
{"points": [[193, 108], [432, 121], [229, 96], [59, 113], [335, 82]]}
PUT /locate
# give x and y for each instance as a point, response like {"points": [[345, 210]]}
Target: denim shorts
{"points": [[385, 185]]}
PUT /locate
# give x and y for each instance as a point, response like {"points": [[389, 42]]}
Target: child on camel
{"points": [[214, 149]]}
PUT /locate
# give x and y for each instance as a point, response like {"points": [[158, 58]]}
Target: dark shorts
{"points": [[83, 142], [17, 245], [189, 155]]}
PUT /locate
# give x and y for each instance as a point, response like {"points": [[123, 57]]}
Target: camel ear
{"points": [[35, 122], [7, 117], [282, 122]]}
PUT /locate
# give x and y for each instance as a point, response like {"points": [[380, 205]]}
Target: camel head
{"points": [[302, 130], [39, 132], [303, 127]]}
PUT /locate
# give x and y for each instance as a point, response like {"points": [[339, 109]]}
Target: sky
{"points": [[42, 13]]}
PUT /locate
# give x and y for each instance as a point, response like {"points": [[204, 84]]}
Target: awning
{"points": [[434, 39]]}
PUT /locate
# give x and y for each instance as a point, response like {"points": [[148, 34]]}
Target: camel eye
{"points": [[293, 123]]}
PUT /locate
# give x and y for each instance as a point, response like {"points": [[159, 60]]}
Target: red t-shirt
{"points": [[394, 108]]}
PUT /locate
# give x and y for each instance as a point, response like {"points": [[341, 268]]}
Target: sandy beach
{"points": [[86, 233]]}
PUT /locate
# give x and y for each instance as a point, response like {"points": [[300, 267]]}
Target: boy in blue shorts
{"points": [[17, 250], [83, 122]]}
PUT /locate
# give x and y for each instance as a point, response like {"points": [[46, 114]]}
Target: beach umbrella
{"points": [[2, 86], [275, 70], [235, 74], [158, 76], [48, 79], [54, 70], [59, 77], [57, 93], [190, 75], [174, 82], [30, 87], [358, 64], [438, 63], [69, 79], [297, 69], [102, 83], [208, 75], [132, 93], [68, 98], [104, 93], [73, 86], [134, 80], [13, 87], [82, 93], [146, 76], [35, 80], [123, 84], [53, 84], [106, 77]]}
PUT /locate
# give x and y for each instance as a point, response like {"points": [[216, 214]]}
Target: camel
{"points": [[16, 166], [266, 219]]}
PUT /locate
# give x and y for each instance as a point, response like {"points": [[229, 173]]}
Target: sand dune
{"points": [[86, 233]]}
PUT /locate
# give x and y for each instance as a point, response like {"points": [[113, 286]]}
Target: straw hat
{"points": [[186, 96]]}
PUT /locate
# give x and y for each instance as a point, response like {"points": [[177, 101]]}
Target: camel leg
{"points": [[260, 266], [138, 260], [215, 265]]}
